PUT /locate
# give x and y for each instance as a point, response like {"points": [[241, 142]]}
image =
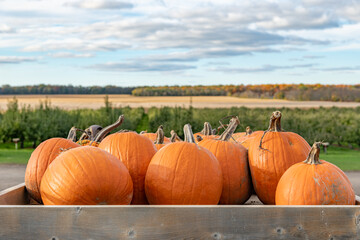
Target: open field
{"points": [[97, 101]]}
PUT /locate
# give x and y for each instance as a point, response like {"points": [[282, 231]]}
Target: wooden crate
{"points": [[24, 221]]}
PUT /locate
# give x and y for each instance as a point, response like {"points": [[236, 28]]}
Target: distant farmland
{"points": [[97, 101]]}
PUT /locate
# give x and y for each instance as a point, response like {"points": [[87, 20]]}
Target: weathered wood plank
{"points": [[190, 222], [16, 195]]}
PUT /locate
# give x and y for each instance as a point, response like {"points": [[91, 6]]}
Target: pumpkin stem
{"points": [[101, 134], [227, 134], [159, 135], [72, 133], [207, 130], [275, 122], [248, 131], [313, 157], [274, 126], [188, 134], [224, 126], [142, 132], [90, 132], [199, 138], [174, 137]]}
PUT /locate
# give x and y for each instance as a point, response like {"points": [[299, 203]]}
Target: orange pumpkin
{"points": [[234, 164], [184, 173], [135, 151], [159, 143], [314, 182], [206, 133], [271, 154], [153, 136], [86, 176], [39, 161], [245, 138]]}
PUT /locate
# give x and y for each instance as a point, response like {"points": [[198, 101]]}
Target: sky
{"points": [[172, 42]]}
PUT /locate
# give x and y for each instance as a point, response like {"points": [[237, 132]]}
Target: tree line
{"points": [[63, 89], [301, 92], [335, 125]]}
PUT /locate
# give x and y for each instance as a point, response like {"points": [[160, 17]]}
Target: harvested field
{"points": [[97, 101]]}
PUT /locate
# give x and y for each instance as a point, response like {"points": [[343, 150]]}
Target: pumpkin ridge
{"points": [[284, 155], [216, 147], [72, 175], [82, 168], [36, 173], [53, 190], [228, 173], [176, 166], [317, 195], [93, 162], [52, 149], [303, 187], [47, 162], [119, 182], [338, 171], [60, 179], [193, 180]]}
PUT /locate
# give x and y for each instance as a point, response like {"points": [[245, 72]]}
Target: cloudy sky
{"points": [[172, 42]]}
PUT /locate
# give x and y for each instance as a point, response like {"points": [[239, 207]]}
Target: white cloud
{"points": [[71, 55], [135, 66], [5, 28], [177, 31], [75, 44], [100, 4], [16, 59], [264, 68]]}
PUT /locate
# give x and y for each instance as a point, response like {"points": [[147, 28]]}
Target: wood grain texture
{"points": [[190, 222], [16, 195]]}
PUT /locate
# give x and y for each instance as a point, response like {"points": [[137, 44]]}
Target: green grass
{"points": [[344, 158], [20, 156]]}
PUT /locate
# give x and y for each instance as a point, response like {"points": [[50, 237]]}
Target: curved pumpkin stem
{"points": [[159, 135], [90, 133], [248, 131], [101, 135], [142, 132], [227, 134], [188, 134], [275, 122], [174, 137], [313, 157], [274, 126], [207, 130], [72, 133]]}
